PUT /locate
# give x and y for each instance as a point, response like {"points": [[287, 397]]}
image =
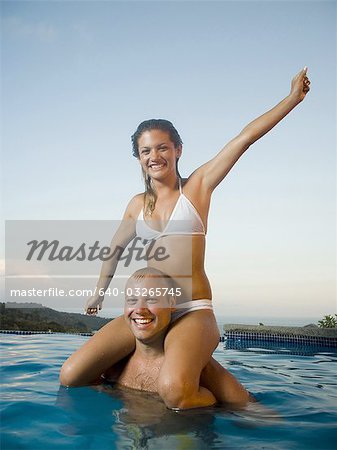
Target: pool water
{"points": [[295, 388]]}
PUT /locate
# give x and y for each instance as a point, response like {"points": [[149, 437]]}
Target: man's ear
{"points": [[172, 301]]}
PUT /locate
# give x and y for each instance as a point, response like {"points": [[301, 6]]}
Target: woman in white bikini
{"points": [[173, 212]]}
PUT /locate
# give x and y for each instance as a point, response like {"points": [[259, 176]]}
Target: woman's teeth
{"points": [[157, 166]]}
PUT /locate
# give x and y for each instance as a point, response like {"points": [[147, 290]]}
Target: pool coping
{"points": [[307, 335], [25, 332]]}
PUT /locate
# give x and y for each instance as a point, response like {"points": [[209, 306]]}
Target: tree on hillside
{"points": [[329, 321]]}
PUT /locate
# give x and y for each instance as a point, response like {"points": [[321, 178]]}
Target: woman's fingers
{"points": [[301, 73], [306, 84], [91, 311], [302, 78], [93, 305], [300, 84]]}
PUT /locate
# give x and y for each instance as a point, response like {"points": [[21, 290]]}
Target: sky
{"points": [[78, 77]]}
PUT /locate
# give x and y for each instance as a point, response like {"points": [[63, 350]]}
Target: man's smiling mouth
{"points": [[142, 321]]}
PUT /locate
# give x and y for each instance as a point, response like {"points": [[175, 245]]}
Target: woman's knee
{"points": [[176, 390], [68, 376]]}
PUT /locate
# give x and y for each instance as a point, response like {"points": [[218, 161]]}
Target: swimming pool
{"points": [[296, 390]]}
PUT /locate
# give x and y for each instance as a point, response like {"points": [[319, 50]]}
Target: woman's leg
{"points": [[189, 345], [110, 344], [224, 386]]}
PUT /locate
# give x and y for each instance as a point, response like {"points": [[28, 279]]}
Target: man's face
{"points": [[147, 308]]}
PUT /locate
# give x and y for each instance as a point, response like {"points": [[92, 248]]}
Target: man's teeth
{"points": [[142, 321]]}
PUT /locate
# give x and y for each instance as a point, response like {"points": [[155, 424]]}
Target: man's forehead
{"points": [[149, 281]]}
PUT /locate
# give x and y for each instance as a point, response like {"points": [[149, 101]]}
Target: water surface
{"points": [[296, 389]]}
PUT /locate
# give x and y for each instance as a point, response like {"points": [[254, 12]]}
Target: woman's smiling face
{"points": [[157, 154]]}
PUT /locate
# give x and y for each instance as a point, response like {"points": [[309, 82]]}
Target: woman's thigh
{"points": [[189, 345], [109, 345]]}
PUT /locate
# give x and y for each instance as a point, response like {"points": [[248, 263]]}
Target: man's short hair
{"points": [[151, 272]]}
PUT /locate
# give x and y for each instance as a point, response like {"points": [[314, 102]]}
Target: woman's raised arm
{"points": [[215, 170]]}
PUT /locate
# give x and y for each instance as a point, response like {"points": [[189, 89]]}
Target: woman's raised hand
{"points": [[93, 305], [300, 85]]}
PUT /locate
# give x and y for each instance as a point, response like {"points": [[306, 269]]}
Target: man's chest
{"points": [[141, 375]]}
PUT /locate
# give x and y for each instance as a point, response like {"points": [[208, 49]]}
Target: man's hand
{"points": [[300, 85]]}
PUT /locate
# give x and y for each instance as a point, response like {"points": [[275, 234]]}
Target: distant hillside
{"points": [[25, 318], [23, 305]]}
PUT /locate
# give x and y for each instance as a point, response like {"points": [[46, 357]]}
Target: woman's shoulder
{"points": [[197, 193], [138, 198], [135, 205]]}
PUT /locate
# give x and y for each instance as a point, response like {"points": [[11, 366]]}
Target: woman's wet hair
{"points": [[150, 196]]}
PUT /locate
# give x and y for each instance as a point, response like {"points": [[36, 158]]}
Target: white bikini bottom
{"points": [[193, 305]]}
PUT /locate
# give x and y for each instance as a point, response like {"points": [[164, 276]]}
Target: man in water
{"points": [[149, 305]]}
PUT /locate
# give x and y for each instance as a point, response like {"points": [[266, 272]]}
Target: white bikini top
{"points": [[184, 220]]}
